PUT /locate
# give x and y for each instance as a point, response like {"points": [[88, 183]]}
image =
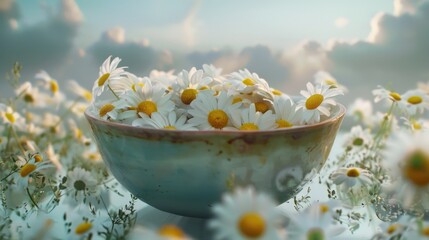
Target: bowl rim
{"points": [[127, 127]]}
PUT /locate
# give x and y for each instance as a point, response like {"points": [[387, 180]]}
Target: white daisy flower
{"points": [[245, 214], [325, 78], [351, 177], [416, 125], [81, 183], [170, 122], [166, 232], [165, 79], [188, 85], [107, 110], [358, 139], [12, 118], [129, 82], [145, 100], [249, 119], [393, 230], [80, 91], [285, 113], [246, 82], [314, 223], [317, 101], [83, 224], [362, 111], [212, 112], [28, 169], [109, 71], [414, 102], [50, 83], [30, 95], [406, 159], [383, 94]]}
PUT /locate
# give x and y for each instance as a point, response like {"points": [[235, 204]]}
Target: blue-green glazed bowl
{"points": [[186, 172]]}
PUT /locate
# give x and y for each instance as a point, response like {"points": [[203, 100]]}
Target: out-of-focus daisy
{"points": [[351, 177], [188, 85], [418, 231], [53, 157], [325, 78], [285, 113], [82, 224], [416, 125], [246, 214], [212, 112], [129, 82], [146, 100], [12, 118], [406, 158], [249, 119], [361, 110], [383, 94], [170, 122], [315, 222], [166, 232], [49, 83], [165, 79], [27, 169], [358, 139], [246, 82], [317, 101], [414, 102], [81, 183], [30, 95], [109, 71], [82, 92], [393, 230]]}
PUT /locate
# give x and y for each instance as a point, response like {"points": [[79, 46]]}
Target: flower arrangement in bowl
{"points": [[178, 142]]}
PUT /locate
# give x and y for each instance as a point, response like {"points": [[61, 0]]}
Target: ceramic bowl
{"points": [[186, 172]]}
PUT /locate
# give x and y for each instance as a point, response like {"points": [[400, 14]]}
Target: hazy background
{"points": [[363, 43]]}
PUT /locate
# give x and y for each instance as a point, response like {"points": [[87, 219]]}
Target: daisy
{"points": [[416, 125], [165, 79], [383, 94], [30, 95], [249, 119], [109, 71], [406, 159], [107, 110], [50, 83], [11, 117], [286, 115], [358, 139], [414, 102], [324, 78], [244, 214], [29, 169], [246, 82], [351, 177], [129, 82], [317, 101], [80, 91], [362, 111], [144, 101], [170, 122], [84, 224], [188, 85], [421, 232], [81, 183], [212, 112], [393, 230]]}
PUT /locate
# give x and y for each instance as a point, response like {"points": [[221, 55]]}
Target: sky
{"points": [[362, 43]]}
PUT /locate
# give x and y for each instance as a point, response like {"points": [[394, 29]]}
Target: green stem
{"points": [[17, 140], [31, 198], [112, 91]]}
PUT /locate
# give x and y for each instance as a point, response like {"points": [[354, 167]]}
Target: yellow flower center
{"points": [[248, 82], [315, 234], [54, 86], [281, 123], [392, 228], [218, 119], [251, 225], [417, 168], [358, 141], [417, 126], [395, 96], [171, 231], [133, 87], [276, 92], [169, 127], [415, 100], [83, 228], [27, 169], [249, 127], [93, 156], [87, 95], [262, 107], [106, 109], [103, 79], [147, 107], [188, 95], [203, 88], [425, 231], [38, 158], [353, 172], [324, 208], [314, 101], [10, 117], [28, 98], [237, 100]]}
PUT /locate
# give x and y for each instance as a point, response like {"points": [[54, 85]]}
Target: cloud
{"points": [[341, 22]]}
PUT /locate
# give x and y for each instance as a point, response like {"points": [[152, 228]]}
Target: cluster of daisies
{"points": [[204, 99]]}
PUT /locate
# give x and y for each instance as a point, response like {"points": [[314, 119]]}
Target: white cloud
{"points": [[341, 22], [71, 12], [116, 34], [405, 6]]}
